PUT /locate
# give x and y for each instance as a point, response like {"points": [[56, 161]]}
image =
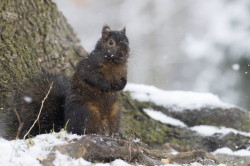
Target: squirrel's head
{"points": [[114, 45]]}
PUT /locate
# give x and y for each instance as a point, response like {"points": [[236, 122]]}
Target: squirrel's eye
{"points": [[111, 42]]}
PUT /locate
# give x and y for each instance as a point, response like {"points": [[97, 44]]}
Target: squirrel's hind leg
{"points": [[82, 119]]}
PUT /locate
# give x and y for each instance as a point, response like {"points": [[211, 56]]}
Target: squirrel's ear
{"points": [[124, 29], [105, 31]]}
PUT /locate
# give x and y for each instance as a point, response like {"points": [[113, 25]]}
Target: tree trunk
{"points": [[33, 35]]}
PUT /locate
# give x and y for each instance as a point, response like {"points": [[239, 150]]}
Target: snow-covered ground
{"points": [[20, 152], [178, 100], [29, 152]]}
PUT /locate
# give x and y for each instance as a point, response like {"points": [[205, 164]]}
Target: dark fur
{"points": [[91, 106], [52, 114]]}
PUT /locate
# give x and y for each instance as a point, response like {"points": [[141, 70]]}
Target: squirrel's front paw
{"points": [[116, 87], [105, 88], [119, 86]]}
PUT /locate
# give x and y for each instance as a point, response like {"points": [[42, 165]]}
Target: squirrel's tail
{"points": [[30, 99]]}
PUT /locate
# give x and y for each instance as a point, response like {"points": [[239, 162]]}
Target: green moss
{"points": [[136, 124]]}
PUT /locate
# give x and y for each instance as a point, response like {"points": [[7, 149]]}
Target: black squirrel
{"points": [[87, 102], [91, 105]]}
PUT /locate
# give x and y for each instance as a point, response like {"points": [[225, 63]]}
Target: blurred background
{"points": [[192, 45]]}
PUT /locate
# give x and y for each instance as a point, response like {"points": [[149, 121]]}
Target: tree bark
{"points": [[33, 35]]}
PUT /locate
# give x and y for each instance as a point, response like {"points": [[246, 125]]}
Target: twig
{"points": [[156, 153], [20, 126], [38, 116]]}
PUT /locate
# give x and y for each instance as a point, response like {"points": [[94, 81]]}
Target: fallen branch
{"points": [[38, 116], [97, 148]]}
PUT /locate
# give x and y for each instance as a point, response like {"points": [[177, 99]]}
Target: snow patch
{"points": [[19, 152], [65, 160], [159, 116], [136, 140], [211, 130], [119, 162], [226, 150], [177, 100], [192, 164]]}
